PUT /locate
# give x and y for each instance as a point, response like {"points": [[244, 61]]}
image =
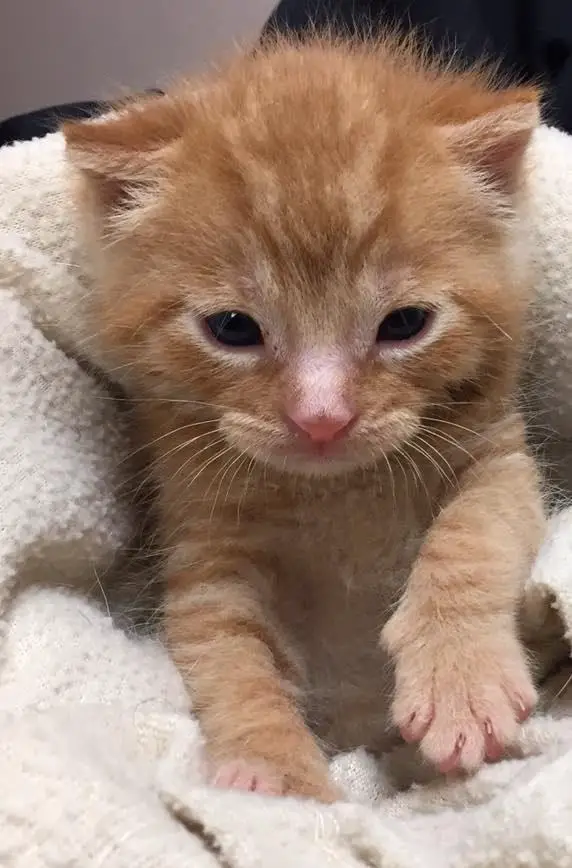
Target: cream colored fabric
{"points": [[100, 761]]}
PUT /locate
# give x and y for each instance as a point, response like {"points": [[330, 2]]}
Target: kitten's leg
{"points": [[462, 681], [237, 672]]}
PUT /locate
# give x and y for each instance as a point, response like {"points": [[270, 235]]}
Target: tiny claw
{"points": [[451, 763], [416, 727], [523, 711], [408, 729], [493, 749]]}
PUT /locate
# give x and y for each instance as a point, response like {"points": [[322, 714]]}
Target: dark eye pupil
{"points": [[403, 324], [234, 329]]}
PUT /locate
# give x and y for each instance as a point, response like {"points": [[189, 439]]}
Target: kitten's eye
{"points": [[403, 324], [234, 329]]}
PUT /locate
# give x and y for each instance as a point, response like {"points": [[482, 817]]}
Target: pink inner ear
{"points": [[496, 142]]}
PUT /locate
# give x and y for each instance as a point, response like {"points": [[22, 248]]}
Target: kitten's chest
{"points": [[340, 572]]}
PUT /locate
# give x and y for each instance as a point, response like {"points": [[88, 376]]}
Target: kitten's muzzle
{"points": [[321, 430]]}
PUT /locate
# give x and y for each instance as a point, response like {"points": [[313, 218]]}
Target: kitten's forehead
{"points": [[315, 237], [303, 159], [336, 312], [311, 203], [321, 195]]}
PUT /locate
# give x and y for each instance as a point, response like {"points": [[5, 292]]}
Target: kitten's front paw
{"points": [[259, 776], [461, 694]]}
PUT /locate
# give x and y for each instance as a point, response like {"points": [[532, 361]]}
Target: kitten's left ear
{"points": [[494, 143], [125, 151], [125, 143]]}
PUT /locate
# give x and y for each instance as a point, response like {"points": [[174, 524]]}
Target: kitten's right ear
{"points": [[125, 148], [495, 141]]}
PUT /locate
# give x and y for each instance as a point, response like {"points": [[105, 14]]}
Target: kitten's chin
{"points": [[306, 465], [303, 462]]}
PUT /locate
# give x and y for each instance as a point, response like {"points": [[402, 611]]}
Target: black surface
{"points": [[533, 38], [46, 120]]}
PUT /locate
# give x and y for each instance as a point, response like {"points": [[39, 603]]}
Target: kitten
{"points": [[312, 273]]}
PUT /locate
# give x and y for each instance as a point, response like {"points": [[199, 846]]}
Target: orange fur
{"points": [[316, 187]]}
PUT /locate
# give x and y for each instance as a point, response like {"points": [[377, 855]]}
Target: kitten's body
{"points": [[320, 477], [327, 546]]}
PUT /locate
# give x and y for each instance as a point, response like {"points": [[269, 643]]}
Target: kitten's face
{"points": [[320, 291], [334, 378]]}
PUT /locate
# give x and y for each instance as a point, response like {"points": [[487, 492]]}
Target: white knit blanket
{"points": [[100, 761]]}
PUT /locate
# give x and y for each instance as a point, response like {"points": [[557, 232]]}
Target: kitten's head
{"points": [[313, 247]]}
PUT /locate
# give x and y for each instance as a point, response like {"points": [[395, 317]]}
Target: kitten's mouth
{"points": [[310, 457], [317, 450]]}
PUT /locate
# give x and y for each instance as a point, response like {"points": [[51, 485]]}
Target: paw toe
{"points": [[494, 747], [414, 728], [524, 702], [247, 777], [456, 746]]}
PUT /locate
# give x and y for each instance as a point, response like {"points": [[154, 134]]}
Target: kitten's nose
{"points": [[323, 428]]}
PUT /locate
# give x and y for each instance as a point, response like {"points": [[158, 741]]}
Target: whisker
{"points": [[242, 497], [561, 691], [190, 402], [410, 463], [429, 458], [208, 463], [151, 465], [391, 479], [225, 468], [451, 479], [417, 471], [242, 459], [99, 584], [496, 325], [169, 433], [397, 455], [448, 439], [189, 484], [194, 456], [471, 431]]}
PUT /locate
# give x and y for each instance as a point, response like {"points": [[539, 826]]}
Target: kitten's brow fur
{"points": [[318, 186]]}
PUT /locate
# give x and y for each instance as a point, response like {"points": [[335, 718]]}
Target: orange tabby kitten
{"points": [[311, 270]]}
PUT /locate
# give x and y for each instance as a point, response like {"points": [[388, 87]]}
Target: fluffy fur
{"points": [[317, 187]]}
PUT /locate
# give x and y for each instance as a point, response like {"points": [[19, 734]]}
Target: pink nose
{"points": [[321, 429]]}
